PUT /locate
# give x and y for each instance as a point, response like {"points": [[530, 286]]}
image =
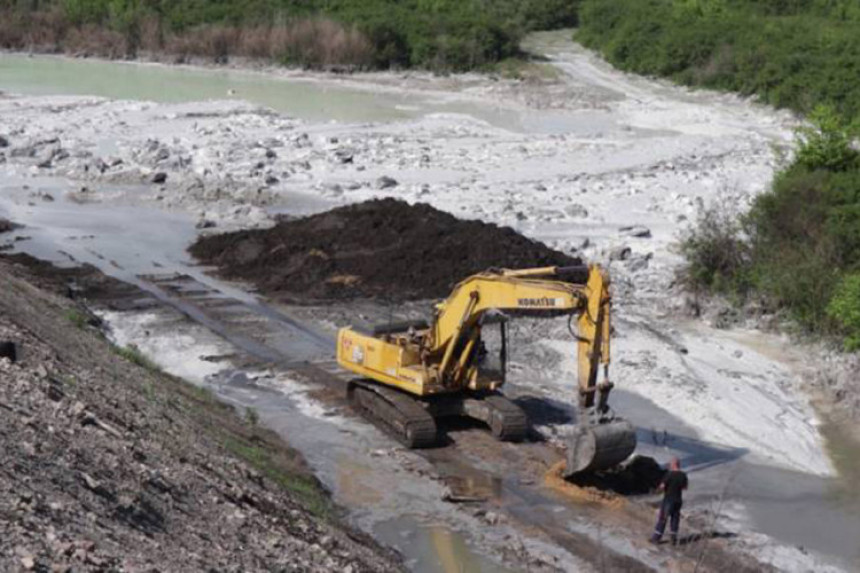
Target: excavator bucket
{"points": [[599, 447]]}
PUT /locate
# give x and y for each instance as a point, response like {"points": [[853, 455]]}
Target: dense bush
{"points": [[791, 53], [434, 34], [799, 245], [717, 254]]}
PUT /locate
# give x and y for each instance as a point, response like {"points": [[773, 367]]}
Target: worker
{"points": [[672, 486]]}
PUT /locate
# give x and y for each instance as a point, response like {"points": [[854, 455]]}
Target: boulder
{"points": [[386, 182]]}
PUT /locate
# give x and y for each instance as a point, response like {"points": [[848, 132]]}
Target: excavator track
{"points": [[508, 422], [397, 414]]}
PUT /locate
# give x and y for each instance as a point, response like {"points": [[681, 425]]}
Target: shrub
{"points": [[252, 417], [844, 308], [717, 254], [827, 142]]}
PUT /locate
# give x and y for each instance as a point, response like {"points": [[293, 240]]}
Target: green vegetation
{"points": [[792, 53], [265, 460], [78, 318], [252, 417], [433, 34], [844, 308], [799, 245], [135, 356]]}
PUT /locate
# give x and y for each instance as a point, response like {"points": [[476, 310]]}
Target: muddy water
{"points": [[302, 98]]}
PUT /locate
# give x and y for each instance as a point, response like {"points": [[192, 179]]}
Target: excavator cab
{"points": [[491, 352]]}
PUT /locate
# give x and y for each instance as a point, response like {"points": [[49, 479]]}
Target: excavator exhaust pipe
{"points": [[599, 447]]}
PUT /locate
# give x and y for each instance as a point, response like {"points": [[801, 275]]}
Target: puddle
{"points": [[436, 548]]}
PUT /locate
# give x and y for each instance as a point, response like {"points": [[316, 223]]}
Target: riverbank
{"points": [[614, 175]]}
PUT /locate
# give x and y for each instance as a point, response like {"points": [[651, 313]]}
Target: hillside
{"points": [[111, 465]]}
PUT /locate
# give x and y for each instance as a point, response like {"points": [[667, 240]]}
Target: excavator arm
{"points": [[543, 292]]}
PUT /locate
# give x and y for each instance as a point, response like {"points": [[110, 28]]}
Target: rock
{"points": [[492, 518], [621, 253], [55, 391], [162, 154], [77, 409], [23, 151], [204, 224], [28, 563], [637, 231], [344, 156], [576, 210], [271, 154], [8, 350], [332, 189], [159, 178], [639, 262], [7, 225], [272, 180], [3, 142], [386, 182]]}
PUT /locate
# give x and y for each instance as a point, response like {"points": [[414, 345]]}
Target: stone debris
{"points": [[108, 466]]}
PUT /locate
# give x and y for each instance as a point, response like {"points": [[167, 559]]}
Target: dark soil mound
{"points": [[383, 248]]}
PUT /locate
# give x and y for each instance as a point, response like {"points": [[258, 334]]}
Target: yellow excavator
{"points": [[413, 373]]}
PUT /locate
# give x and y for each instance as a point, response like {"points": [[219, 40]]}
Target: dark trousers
{"points": [[671, 511]]}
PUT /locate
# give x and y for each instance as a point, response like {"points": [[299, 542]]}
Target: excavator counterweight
{"points": [[415, 373]]}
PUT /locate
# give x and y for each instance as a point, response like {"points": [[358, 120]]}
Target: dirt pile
{"points": [[383, 248], [110, 465]]}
